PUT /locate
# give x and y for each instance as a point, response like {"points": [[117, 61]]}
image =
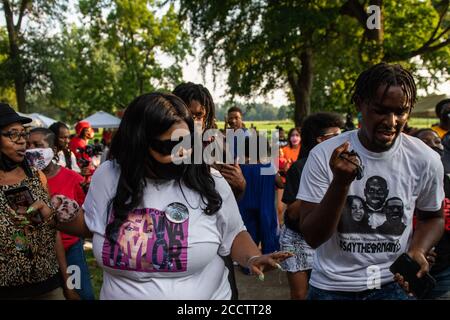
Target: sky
{"points": [[191, 72]]}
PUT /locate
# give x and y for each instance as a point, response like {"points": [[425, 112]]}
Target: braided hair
{"points": [[189, 91], [370, 80]]}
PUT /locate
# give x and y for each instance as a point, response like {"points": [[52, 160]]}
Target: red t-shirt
{"points": [[78, 143], [67, 183], [446, 215]]}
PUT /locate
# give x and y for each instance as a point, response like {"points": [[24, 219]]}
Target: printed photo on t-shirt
{"points": [[148, 242], [376, 214]]}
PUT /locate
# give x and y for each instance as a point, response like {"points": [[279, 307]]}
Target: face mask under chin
{"points": [[7, 164], [167, 171]]}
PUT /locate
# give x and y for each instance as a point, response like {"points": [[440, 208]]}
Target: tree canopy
{"points": [[317, 48]]}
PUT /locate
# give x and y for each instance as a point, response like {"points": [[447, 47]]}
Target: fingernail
{"points": [[279, 266], [261, 277]]}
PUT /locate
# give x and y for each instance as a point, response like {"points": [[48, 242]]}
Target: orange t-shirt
{"points": [[441, 132], [290, 155]]}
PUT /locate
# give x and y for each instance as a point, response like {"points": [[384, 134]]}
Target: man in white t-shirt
{"points": [[397, 169]]}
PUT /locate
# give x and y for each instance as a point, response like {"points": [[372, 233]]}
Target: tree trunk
{"points": [[301, 85], [14, 55]]}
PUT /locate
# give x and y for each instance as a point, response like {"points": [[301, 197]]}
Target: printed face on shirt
{"points": [[357, 209], [376, 192], [394, 210], [135, 233], [383, 118], [148, 242]]}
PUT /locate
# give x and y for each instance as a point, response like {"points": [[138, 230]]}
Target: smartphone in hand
{"points": [[408, 268], [20, 199]]}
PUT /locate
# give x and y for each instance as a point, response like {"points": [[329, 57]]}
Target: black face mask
{"points": [[6, 164], [165, 147], [168, 171]]}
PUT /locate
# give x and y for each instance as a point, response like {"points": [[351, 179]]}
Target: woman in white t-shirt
{"points": [[159, 229]]}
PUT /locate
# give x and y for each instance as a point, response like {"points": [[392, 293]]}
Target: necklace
{"points": [[184, 196]]}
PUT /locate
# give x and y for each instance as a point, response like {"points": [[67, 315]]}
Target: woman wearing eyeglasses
{"points": [[28, 264], [159, 229]]}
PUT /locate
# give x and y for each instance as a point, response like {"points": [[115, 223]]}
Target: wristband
{"points": [[67, 210]]}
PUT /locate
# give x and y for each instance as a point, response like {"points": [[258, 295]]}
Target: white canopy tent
{"points": [[425, 106], [102, 119], [39, 120]]}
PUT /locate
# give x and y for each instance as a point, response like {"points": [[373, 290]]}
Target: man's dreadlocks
{"points": [[370, 80], [190, 91]]}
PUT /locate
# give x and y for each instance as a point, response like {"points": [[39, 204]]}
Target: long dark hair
{"points": [[146, 118], [291, 132]]}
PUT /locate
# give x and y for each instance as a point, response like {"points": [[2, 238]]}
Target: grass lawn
{"points": [[95, 271], [288, 124]]}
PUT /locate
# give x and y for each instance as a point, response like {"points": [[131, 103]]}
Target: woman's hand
{"points": [[66, 209], [41, 207], [267, 262]]}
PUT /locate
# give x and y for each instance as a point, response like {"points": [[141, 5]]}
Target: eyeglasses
{"points": [[198, 117], [15, 136]]}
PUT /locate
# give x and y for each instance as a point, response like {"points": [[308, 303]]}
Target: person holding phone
{"points": [[28, 265], [355, 266]]}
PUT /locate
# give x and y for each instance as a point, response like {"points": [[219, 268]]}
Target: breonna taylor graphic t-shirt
{"points": [[376, 222], [155, 255]]}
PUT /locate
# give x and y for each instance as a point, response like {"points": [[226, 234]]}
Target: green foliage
{"points": [[255, 111], [103, 64], [259, 43]]}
